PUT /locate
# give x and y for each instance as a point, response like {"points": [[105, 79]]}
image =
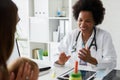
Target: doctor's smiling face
{"points": [[86, 22]]}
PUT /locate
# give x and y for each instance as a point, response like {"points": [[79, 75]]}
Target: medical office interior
{"points": [[43, 24]]}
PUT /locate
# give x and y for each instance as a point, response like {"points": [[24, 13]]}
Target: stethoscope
{"points": [[93, 42]]}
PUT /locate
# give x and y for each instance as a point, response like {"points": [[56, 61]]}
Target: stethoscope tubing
{"points": [[91, 44]]}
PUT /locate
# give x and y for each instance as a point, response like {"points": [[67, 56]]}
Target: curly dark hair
{"points": [[94, 6]]}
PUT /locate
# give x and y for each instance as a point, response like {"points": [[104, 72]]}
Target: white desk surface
{"points": [[58, 71]]}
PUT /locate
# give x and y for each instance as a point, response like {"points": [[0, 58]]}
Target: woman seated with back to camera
{"points": [[22, 69]]}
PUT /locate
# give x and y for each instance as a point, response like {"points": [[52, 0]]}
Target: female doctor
{"points": [[90, 44]]}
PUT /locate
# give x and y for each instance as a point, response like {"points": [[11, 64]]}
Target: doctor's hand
{"points": [[63, 58], [85, 55]]}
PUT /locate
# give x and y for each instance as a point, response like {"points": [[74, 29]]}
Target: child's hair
{"points": [[13, 67]]}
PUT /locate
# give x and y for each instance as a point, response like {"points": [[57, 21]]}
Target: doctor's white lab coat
{"points": [[105, 54]]}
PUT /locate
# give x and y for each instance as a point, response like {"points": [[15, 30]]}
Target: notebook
{"points": [[16, 54]]}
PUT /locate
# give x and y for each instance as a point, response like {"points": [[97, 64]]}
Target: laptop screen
{"points": [[15, 53]]}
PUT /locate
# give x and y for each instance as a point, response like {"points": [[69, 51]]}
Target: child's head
{"points": [[14, 67]]}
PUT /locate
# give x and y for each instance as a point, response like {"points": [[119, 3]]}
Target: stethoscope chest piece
{"points": [[74, 47]]}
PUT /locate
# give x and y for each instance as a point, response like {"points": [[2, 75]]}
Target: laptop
{"points": [[16, 54]]}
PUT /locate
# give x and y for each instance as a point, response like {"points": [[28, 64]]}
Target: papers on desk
{"points": [[101, 73]]}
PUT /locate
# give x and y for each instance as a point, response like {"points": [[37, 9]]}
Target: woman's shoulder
{"points": [[102, 32]]}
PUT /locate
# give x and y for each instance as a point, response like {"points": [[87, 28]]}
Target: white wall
{"points": [[111, 23], [22, 26]]}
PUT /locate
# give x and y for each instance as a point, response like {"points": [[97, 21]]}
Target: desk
{"points": [[60, 70], [113, 75], [54, 70]]}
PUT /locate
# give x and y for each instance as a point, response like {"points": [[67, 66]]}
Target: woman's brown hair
{"points": [[8, 20]]}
